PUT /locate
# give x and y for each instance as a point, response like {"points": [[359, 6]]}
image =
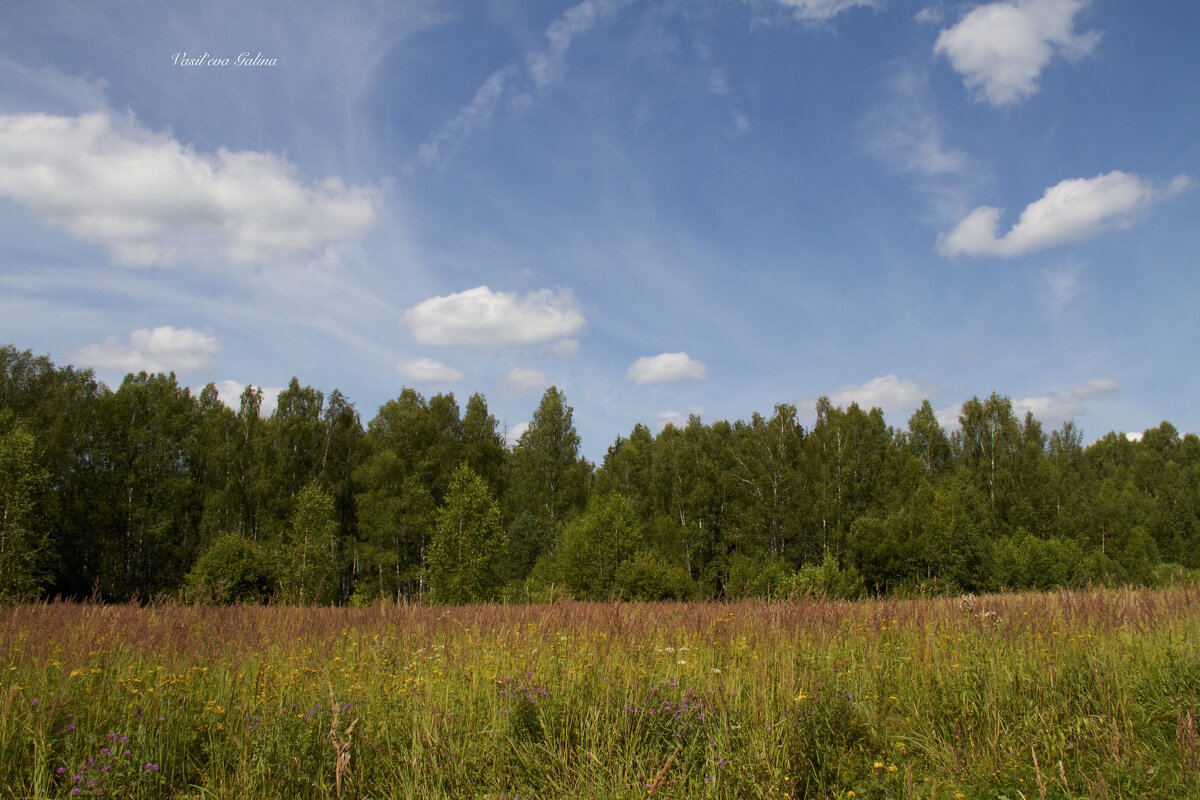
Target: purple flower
{"points": [[103, 751], [35, 702], [61, 771], [151, 767], [77, 790], [128, 752], [112, 737], [70, 728]]}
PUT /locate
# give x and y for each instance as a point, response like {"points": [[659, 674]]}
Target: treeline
{"points": [[150, 491]]}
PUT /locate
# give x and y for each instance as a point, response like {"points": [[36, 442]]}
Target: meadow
{"points": [[1075, 694]]}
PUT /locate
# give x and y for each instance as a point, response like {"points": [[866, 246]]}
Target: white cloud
{"points": [[1064, 404], [666, 368], [824, 9], [1060, 286], [152, 200], [482, 318], [163, 349], [903, 130], [229, 392], [563, 348], [513, 435], [548, 66], [1069, 211], [426, 370], [893, 395], [542, 68], [522, 380], [473, 116], [677, 419], [1001, 48]]}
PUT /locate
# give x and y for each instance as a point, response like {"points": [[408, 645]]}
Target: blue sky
{"points": [[665, 208]]}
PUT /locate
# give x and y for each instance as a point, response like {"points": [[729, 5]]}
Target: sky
{"points": [[662, 208]]}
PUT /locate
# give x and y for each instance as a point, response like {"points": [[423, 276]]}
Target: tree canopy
{"points": [[151, 490]]}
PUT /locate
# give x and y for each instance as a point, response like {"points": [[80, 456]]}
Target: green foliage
{"points": [[133, 486], [21, 545], [233, 569], [594, 544], [828, 580], [465, 555], [647, 576], [306, 554], [757, 576]]}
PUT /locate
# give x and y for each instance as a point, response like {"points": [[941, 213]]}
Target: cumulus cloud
{"points": [[1069, 211], [426, 371], [892, 394], [1064, 404], [513, 435], [163, 349], [666, 368], [482, 318], [1000, 49], [677, 419], [522, 380], [230, 392], [151, 200]]}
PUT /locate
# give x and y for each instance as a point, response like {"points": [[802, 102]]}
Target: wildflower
{"points": [[891, 767], [35, 701], [61, 771], [878, 765], [151, 767]]}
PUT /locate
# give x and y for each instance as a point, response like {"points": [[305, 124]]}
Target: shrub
{"points": [[232, 570]]}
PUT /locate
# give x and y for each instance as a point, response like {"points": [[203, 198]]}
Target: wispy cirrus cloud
{"points": [[520, 381], [817, 10], [541, 69], [152, 200], [482, 318], [162, 349], [1001, 48], [1069, 211]]}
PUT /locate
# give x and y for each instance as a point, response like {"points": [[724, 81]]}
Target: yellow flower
{"points": [[891, 767], [878, 765]]}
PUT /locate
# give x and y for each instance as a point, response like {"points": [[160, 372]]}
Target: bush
{"points": [[829, 581], [232, 570], [647, 576]]}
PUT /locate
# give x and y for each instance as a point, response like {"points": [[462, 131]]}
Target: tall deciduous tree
{"points": [[21, 545], [550, 480], [307, 567], [467, 549]]}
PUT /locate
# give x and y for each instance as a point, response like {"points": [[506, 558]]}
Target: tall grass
{"points": [[1086, 694]]}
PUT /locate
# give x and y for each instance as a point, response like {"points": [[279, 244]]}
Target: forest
{"points": [[152, 492]]}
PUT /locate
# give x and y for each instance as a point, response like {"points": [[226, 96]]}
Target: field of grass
{"points": [[1071, 695]]}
